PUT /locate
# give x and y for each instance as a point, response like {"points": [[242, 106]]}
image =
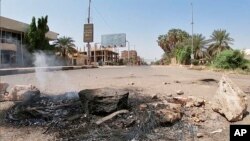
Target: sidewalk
{"points": [[11, 71]]}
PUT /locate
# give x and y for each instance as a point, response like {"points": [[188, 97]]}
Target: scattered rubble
{"points": [[168, 116], [176, 81], [200, 135], [112, 114], [21, 93], [131, 83], [179, 92], [230, 100], [166, 83], [3, 88], [169, 95], [155, 96], [195, 101], [216, 131]]}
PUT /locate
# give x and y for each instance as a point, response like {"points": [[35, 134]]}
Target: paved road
{"points": [[150, 79]]}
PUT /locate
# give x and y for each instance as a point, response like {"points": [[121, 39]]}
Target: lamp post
{"points": [[192, 50]]}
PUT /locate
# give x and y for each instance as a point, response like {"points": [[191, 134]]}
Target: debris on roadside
{"points": [[216, 131], [179, 92], [230, 100]]}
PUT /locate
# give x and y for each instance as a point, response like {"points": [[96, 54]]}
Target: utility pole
{"points": [[192, 51], [89, 52]]}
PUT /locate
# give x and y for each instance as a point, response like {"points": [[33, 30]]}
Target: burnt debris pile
{"points": [[106, 114]]}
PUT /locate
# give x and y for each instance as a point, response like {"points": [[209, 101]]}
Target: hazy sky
{"points": [[141, 20]]}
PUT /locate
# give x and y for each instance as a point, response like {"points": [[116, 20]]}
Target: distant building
{"points": [[106, 56], [79, 59], [12, 41], [132, 55]]}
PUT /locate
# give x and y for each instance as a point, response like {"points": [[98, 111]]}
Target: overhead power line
{"points": [[102, 17]]}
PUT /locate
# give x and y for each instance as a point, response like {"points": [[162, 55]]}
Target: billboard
{"points": [[114, 40], [88, 33]]}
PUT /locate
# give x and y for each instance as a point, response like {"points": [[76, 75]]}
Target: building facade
{"points": [[133, 58], [12, 48], [105, 56]]}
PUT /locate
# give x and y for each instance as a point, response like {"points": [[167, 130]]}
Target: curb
{"points": [[12, 71]]}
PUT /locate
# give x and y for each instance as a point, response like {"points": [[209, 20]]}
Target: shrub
{"points": [[183, 54], [195, 62], [230, 59], [166, 59]]}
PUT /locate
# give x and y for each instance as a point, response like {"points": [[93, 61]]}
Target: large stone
{"points": [[180, 92], [103, 100], [3, 88], [21, 93], [229, 100]]}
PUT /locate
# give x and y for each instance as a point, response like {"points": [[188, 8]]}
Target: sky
{"points": [[142, 20]]}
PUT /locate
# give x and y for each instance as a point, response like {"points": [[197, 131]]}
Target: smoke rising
{"points": [[42, 62]]}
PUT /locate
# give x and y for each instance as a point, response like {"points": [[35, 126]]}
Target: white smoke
{"points": [[45, 79], [40, 65]]}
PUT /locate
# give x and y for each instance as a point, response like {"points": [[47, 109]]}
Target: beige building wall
{"points": [[78, 59], [17, 26]]}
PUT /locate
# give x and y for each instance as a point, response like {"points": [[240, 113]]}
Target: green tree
{"points": [[164, 43], [200, 43], [220, 40], [65, 45], [35, 37], [169, 41]]}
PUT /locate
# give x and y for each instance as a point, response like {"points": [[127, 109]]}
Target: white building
{"points": [[11, 41]]}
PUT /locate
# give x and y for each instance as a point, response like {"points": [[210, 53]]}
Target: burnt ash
{"points": [[63, 115]]}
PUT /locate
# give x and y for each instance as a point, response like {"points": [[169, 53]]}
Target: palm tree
{"points": [[220, 40], [200, 50], [163, 43], [174, 36], [65, 46]]}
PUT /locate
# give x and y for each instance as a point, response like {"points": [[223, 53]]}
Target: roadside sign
{"points": [[114, 40], [88, 34]]}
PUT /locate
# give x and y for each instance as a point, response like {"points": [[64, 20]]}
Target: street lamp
{"points": [[192, 51]]}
